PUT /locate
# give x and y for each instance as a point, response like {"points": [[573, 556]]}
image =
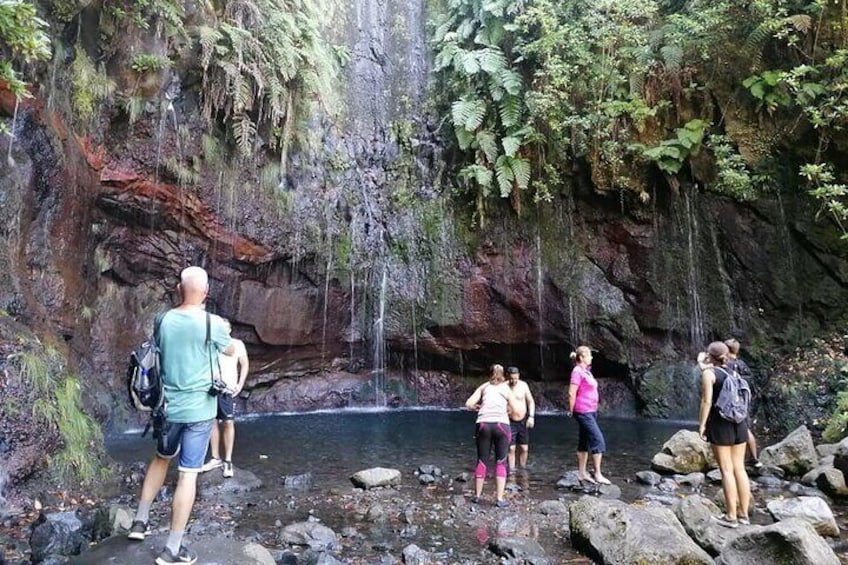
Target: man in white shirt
{"points": [[234, 373]]}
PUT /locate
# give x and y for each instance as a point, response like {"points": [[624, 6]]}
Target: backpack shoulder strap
{"points": [[157, 323]]}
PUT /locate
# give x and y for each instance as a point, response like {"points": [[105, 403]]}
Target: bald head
{"points": [[194, 284]]}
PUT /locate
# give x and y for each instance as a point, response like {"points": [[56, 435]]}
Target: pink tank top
{"points": [[587, 398], [492, 406]]}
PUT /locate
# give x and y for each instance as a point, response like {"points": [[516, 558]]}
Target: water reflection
{"points": [[334, 445]]}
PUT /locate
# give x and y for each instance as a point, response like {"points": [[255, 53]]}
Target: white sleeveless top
{"points": [[229, 364], [493, 406]]}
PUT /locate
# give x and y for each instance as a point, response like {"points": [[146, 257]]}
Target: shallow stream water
{"points": [[334, 445]]}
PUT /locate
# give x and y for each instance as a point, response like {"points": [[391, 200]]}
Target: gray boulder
{"points": [[118, 549], [302, 481], [840, 456], [213, 483], [612, 532], [796, 454], [832, 482], [311, 534], [811, 509], [552, 508], [414, 555], [790, 541], [685, 452], [524, 550], [695, 514], [694, 480], [648, 478], [57, 534], [376, 477]]}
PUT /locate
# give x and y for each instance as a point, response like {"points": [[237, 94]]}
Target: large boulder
{"points": [[811, 509], [218, 549], [685, 452], [311, 534], [612, 532], [831, 481], [58, 534], [790, 541], [521, 549], [796, 454], [840, 456], [376, 477], [695, 514]]}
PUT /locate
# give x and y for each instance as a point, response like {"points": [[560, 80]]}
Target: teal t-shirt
{"points": [[185, 363]]}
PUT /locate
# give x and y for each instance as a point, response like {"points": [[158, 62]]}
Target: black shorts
{"points": [[226, 407], [520, 433], [724, 432]]}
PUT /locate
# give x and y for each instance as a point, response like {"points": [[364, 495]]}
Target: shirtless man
{"points": [[520, 420]]}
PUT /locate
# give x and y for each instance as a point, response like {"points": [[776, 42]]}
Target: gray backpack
{"points": [[734, 397]]}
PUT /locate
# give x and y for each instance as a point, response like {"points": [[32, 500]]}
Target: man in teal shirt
{"points": [[189, 408]]}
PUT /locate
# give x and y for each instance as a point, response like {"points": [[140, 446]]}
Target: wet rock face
{"points": [[373, 264]]}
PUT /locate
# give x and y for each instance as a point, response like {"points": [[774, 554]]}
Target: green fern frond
{"points": [[511, 145], [512, 82], [492, 61], [505, 175], [801, 22], [488, 144], [672, 57], [468, 113], [510, 111], [521, 170], [244, 132]]}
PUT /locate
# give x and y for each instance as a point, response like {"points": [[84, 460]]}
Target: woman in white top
{"points": [[493, 401]]}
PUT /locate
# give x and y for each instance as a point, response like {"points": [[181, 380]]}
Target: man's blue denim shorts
{"points": [[189, 440]]}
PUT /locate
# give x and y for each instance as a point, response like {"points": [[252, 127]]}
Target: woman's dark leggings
{"points": [[590, 438], [488, 434]]}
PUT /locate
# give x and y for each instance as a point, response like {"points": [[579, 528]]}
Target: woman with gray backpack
{"points": [[723, 423]]}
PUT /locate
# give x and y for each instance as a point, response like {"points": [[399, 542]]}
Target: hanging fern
{"points": [[244, 131], [473, 45], [263, 62]]}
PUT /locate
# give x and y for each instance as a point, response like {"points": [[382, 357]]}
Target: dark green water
{"points": [[334, 445]]}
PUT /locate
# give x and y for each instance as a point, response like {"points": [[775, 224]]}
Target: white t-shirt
{"points": [[229, 364]]}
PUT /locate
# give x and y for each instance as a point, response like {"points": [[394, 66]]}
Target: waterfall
{"points": [[415, 347], [540, 287], [327, 274], [380, 345], [696, 317], [12, 136], [4, 478]]}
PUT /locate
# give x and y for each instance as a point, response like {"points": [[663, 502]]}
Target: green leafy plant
{"points": [[23, 40], [474, 56], [149, 63], [671, 154], [832, 194], [769, 89], [262, 62], [58, 404], [733, 177], [90, 87]]}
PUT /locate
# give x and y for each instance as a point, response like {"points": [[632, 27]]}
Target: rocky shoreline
{"points": [[385, 518]]}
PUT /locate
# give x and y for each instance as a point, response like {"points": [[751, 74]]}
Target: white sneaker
{"points": [[213, 463], [228, 469]]}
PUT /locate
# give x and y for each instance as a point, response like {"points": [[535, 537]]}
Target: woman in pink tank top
{"points": [[583, 400]]}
